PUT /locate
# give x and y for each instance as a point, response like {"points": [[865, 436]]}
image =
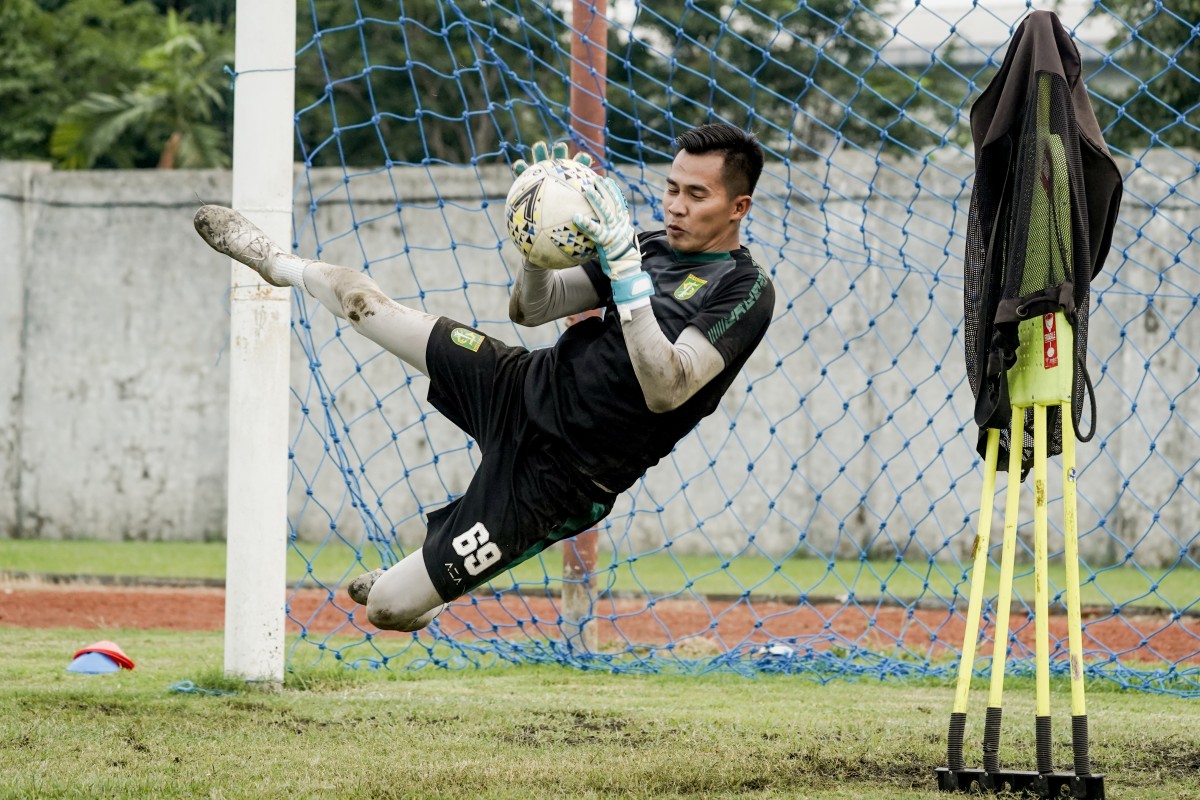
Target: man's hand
{"points": [[541, 152], [612, 231]]}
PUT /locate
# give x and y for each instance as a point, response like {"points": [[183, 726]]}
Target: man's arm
{"points": [[542, 295], [669, 374]]}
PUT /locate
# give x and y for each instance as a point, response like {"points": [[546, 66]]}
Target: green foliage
{"points": [[801, 75], [912, 110], [453, 82], [50, 60], [438, 83], [169, 113], [768, 67], [219, 11], [1159, 49]]}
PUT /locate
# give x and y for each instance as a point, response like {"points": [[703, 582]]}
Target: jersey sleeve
{"points": [[736, 314], [599, 280]]}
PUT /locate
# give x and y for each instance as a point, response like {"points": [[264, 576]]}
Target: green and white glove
{"points": [[540, 151], [612, 231]]}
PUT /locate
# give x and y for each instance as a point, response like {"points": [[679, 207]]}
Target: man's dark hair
{"points": [[743, 154]]}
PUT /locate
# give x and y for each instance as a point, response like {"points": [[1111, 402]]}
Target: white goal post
{"points": [[263, 169], [263, 141]]}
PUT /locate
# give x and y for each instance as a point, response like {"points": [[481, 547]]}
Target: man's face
{"points": [[700, 215]]}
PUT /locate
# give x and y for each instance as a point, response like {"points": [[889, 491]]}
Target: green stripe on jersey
{"points": [[718, 330], [701, 258], [573, 526]]}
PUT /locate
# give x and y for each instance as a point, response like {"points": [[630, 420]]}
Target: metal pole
{"points": [[589, 71], [255, 575]]}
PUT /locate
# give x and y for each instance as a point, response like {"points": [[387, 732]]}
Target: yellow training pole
{"points": [[1079, 724], [1041, 608], [1012, 502], [966, 664]]}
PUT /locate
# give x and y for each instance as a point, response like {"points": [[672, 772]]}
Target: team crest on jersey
{"points": [[466, 338], [686, 290]]}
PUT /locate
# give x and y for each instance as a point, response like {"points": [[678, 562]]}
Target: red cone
{"points": [[110, 649]]}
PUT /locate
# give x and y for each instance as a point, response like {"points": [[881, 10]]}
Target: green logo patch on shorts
{"points": [[469, 339], [691, 284]]}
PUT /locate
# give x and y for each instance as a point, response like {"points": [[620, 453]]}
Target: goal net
{"points": [[822, 520]]}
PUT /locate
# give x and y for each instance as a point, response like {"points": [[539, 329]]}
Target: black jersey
{"points": [[584, 392]]}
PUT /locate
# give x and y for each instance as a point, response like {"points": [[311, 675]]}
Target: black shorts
{"points": [[525, 496]]}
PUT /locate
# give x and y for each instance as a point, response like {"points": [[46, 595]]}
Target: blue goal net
{"points": [[822, 520]]}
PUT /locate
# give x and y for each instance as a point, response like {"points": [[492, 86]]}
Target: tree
{"points": [[170, 111], [918, 108], [444, 82], [780, 68], [804, 76], [453, 81], [50, 60], [218, 11], [1159, 46]]}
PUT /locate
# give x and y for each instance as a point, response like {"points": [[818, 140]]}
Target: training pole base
{"points": [[1035, 784]]}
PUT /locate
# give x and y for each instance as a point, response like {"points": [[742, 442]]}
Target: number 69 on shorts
{"points": [[477, 551]]}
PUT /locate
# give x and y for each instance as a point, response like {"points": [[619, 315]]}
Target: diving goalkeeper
{"points": [[563, 429]]}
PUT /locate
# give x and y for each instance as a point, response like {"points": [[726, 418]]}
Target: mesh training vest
{"points": [[1043, 207]]}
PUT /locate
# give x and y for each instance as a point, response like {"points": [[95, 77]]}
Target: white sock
{"points": [[289, 269]]}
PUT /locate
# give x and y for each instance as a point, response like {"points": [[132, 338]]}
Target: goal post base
{"points": [[1035, 784]]}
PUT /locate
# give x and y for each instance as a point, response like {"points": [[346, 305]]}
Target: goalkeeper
{"points": [[563, 429]]}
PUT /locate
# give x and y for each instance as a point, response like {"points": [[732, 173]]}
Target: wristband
{"points": [[632, 287]]}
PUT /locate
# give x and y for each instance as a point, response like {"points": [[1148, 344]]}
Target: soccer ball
{"points": [[539, 210]]}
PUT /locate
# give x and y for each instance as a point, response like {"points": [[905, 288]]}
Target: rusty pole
{"points": [[589, 70]]}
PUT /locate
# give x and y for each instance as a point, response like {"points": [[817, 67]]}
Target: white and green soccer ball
{"points": [[539, 210]]}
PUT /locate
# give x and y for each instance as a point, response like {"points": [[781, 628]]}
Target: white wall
{"points": [[114, 323], [119, 414]]}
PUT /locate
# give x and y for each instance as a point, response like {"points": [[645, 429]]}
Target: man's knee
{"points": [[404, 598], [360, 304], [406, 620]]}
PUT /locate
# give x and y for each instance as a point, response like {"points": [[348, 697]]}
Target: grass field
{"points": [[517, 732], [661, 573], [505, 732]]}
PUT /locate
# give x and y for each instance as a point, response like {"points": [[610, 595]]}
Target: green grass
{"points": [[199, 560], [519, 732], [660, 573]]}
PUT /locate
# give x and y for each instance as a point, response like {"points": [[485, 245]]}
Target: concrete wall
{"points": [[114, 421], [15, 190], [850, 428]]}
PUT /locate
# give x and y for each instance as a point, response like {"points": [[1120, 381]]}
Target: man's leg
{"points": [[401, 598], [347, 293], [402, 331]]}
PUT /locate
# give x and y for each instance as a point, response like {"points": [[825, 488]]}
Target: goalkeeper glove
{"points": [[612, 231], [541, 152]]}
